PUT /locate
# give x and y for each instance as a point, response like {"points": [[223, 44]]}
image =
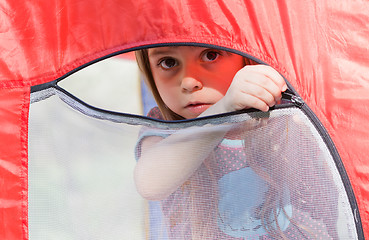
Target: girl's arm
{"points": [[166, 163]]}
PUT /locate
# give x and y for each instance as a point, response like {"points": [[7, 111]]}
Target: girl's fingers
{"points": [[248, 95], [261, 93], [251, 101], [260, 85], [272, 74], [268, 72], [255, 86], [266, 84]]}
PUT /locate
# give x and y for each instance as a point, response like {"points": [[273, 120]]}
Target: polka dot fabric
{"points": [[230, 159], [194, 200]]}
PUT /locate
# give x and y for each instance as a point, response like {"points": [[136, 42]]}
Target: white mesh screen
{"points": [[268, 178]]}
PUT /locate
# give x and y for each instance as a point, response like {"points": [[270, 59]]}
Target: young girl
{"points": [[193, 172]]}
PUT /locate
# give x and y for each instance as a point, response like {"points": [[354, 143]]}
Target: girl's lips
{"points": [[197, 108]]}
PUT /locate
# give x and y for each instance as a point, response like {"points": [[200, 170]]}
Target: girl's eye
{"points": [[168, 63], [210, 56]]}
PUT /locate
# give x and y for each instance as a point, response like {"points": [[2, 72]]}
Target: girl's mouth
{"points": [[197, 108]]}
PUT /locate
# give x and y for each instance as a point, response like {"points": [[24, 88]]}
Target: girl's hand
{"points": [[254, 86]]}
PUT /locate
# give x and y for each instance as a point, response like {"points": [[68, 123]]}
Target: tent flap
{"points": [[13, 163]]}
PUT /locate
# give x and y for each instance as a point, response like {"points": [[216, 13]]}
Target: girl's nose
{"points": [[190, 77], [190, 84]]}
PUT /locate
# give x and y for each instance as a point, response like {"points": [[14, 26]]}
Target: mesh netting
{"points": [[264, 176]]}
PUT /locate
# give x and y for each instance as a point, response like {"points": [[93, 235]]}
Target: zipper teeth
{"points": [[339, 165], [299, 102], [142, 118]]}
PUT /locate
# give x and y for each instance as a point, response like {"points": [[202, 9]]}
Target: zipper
{"points": [[298, 102]]}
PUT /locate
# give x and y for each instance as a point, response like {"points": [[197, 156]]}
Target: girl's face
{"points": [[191, 79]]}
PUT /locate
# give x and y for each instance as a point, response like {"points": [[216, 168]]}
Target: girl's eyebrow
{"points": [[161, 51]]}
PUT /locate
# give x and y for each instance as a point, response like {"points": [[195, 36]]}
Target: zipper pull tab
{"points": [[297, 101]]}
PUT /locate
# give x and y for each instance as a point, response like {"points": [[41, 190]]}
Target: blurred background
{"points": [[81, 168]]}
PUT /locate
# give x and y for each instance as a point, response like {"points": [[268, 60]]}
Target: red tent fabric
{"points": [[320, 47]]}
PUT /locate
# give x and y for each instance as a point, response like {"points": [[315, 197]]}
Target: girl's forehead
{"points": [[172, 49]]}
